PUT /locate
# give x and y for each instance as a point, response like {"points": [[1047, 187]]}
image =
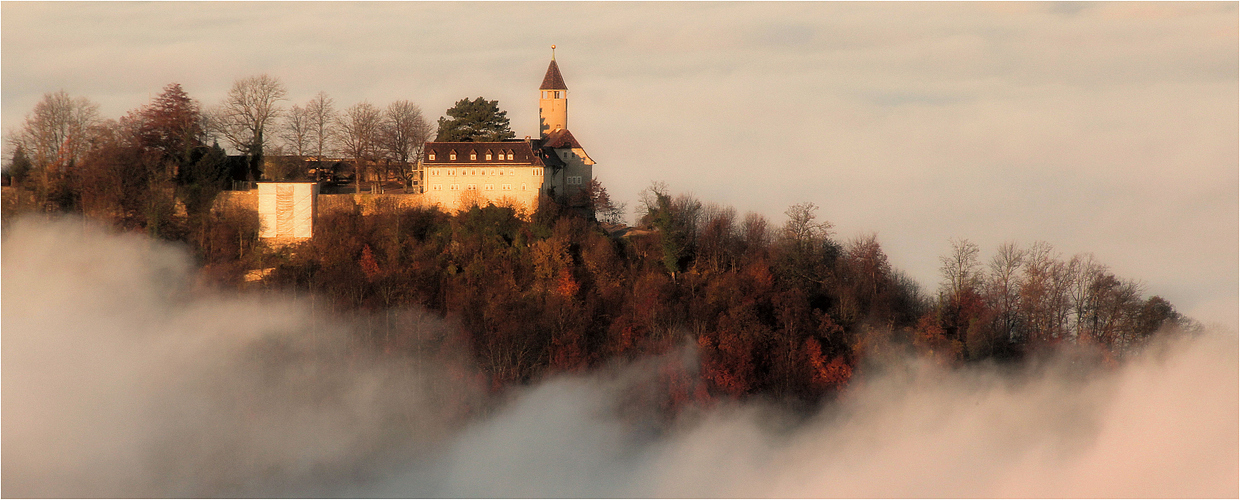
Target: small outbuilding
{"points": [[287, 210]]}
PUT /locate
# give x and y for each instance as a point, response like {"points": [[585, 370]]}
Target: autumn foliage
{"points": [[784, 312]]}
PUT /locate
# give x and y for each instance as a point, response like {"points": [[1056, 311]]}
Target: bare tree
{"points": [[322, 123], [960, 269], [359, 136], [57, 132], [1086, 270], [1044, 292], [402, 136], [1004, 287], [802, 230], [296, 130], [251, 105], [718, 240]]}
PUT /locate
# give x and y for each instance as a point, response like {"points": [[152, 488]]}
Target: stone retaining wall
{"points": [[327, 203]]}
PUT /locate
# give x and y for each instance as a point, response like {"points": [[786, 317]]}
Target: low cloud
{"points": [[121, 377]]}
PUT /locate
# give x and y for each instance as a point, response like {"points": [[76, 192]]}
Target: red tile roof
{"points": [[561, 138], [522, 153], [553, 80]]}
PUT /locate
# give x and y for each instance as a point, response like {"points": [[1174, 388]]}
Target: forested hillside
{"points": [[778, 309]]}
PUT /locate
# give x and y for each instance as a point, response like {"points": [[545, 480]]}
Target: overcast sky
{"points": [[1108, 128]]}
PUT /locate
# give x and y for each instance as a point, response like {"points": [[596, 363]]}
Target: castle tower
{"points": [[553, 103]]}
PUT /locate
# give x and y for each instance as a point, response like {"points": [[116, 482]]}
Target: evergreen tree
{"points": [[478, 120], [20, 166]]}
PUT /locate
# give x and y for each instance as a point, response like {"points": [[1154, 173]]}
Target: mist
{"points": [[123, 375]]}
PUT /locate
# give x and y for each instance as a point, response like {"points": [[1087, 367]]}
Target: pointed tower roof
{"points": [[553, 80]]}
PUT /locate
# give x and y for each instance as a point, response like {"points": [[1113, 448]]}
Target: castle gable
{"points": [[561, 138]]}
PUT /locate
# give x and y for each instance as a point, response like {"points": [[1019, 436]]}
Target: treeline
{"points": [[1030, 299], [777, 310], [783, 311], [63, 142]]}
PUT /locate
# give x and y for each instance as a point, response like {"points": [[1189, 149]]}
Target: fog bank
{"points": [[122, 377]]}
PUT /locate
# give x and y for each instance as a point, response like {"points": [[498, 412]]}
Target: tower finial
{"points": [[553, 52]]}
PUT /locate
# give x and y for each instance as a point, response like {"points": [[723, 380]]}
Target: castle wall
{"points": [[327, 203], [577, 172], [456, 187]]}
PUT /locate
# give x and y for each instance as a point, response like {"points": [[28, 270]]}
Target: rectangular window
{"points": [[510, 156], [431, 156], [537, 171], [488, 156]]}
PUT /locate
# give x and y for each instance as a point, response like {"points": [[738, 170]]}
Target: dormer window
{"points": [[452, 155], [509, 154], [431, 155], [488, 155], [473, 155]]}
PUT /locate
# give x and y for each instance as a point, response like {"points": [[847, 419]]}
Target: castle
{"points": [[513, 172], [457, 175]]}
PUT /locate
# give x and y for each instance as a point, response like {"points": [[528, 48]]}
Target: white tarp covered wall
{"points": [[287, 209]]}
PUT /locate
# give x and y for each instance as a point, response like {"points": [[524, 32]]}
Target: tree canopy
{"points": [[243, 116], [478, 120]]}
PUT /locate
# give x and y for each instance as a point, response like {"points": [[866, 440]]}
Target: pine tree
{"points": [[19, 166], [478, 120]]}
